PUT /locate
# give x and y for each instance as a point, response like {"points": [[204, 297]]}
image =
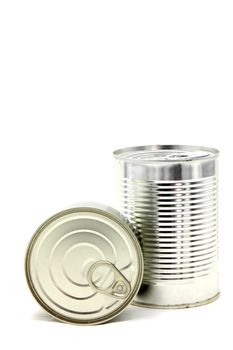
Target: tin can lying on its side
{"points": [[84, 264], [170, 194]]}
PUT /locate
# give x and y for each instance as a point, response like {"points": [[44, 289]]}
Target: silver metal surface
{"points": [[84, 264], [170, 194]]}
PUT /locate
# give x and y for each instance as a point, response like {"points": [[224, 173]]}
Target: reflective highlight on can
{"points": [[170, 193]]}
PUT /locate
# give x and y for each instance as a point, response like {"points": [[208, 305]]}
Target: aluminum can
{"points": [[84, 264], [169, 192]]}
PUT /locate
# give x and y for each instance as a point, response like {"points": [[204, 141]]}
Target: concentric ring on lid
{"points": [[84, 264]]}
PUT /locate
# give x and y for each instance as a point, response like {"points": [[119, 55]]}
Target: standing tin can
{"points": [[84, 264], [170, 194]]}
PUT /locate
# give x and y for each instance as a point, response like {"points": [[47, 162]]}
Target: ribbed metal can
{"points": [[169, 192]]}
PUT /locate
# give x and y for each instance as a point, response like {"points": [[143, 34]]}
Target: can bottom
{"points": [[178, 306]]}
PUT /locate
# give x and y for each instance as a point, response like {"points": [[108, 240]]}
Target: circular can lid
{"points": [[84, 265], [164, 153]]}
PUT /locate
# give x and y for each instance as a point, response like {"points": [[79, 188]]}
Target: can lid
{"points": [[84, 264], [164, 153]]}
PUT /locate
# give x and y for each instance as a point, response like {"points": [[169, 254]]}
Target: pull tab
{"points": [[119, 288]]}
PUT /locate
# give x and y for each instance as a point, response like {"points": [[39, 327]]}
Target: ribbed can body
{"points": [[170, 194]]}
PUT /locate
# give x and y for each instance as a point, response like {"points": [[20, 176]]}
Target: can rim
{"points": [[112, 216], [123, 153]]}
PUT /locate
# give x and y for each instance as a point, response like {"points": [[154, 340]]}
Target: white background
{"points": [[79, 79]]}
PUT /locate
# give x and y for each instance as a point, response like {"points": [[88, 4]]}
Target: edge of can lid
{"points": [[112, 214], [124, 153]]}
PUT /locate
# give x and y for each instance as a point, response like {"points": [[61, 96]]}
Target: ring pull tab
{"points": [[119, 288]]}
